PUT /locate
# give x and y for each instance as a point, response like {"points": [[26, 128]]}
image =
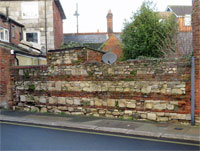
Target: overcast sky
{"points": [[93, 13]]}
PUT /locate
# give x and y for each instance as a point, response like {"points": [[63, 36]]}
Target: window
{"points": [[13, 31], [29, 10], [187, 20], [32, 37], [4, 34]]}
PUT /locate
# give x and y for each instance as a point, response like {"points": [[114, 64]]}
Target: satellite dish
{"points": [[109, 58]]}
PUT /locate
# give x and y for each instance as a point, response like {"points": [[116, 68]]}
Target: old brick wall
{"points": [[157, 90], [58, 27], [196, 52], [6, 61]]}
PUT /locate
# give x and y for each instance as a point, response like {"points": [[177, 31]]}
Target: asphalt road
{"points": [[20, 137]]}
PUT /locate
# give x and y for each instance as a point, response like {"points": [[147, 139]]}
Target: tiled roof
{"points": [[91, 39], [181, 10]]}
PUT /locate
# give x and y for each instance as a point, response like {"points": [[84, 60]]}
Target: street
{"points": [[16, 136]]}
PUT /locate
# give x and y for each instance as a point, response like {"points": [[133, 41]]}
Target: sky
{"points": [[93, 13]]}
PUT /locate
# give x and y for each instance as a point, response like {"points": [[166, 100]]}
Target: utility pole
{"points": [[76, 14], [45, 22]]}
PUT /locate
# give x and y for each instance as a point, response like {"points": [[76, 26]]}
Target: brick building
{"points": [[106, 41], [42, 20], [10, 30]]}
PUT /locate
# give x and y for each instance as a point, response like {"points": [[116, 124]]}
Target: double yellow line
{"points": [[98, 133]]}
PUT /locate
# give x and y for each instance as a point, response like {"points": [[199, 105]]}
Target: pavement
{"points": [[140, 128]]}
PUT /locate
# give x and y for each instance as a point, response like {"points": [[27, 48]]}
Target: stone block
{"points": [[34, 109], [101, 112], [162, 119], [22, 98], [62, 108], [53, 100], [151, 116], [77, 101], [111, 102], [98, 103], [144, 116], [170, 107], [128, 112], [58, 85], [131, 105], [159, 106], [61, 100], [177, 91], [146, 89], [122, 103], [149, 105], [69, 101], [70, 109], [43, 110], [116, 113], [42, 99]]}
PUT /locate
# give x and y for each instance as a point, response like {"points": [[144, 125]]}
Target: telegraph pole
{"points": [[76, 14]]}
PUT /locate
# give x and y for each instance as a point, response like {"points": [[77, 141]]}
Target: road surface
{"points": [[16, 136]]}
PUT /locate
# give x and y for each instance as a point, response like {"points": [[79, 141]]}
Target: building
{"points": [[184, 37], [11, 35], [106, 41], [11, 31], [183, 14], [42, 20]]}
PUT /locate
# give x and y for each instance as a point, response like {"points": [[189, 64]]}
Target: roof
{"points": [[94, 40], [10, 19], [20, 50], [165, 15], [180, 10], [62, 13]]}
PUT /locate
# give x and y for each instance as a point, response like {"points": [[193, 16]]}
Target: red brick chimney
{"points": [[110, 22]]}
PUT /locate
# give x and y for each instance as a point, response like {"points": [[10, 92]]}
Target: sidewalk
{"points": [[159, 130]]}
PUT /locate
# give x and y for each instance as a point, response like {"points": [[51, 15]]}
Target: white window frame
{"points": [[4, 36], [38, 33], [187, 20], [27, 7]]}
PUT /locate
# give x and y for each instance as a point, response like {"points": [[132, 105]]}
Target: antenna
{"points": [[76, 14], [109, 58]]}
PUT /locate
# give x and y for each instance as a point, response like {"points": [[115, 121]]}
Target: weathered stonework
{"points": [[155, 90]]}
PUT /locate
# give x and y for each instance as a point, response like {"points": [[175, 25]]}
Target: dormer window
{"points": [[187, 20]]}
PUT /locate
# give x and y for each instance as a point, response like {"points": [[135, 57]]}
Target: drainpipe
{"points": [[45, 23], [192, 91], [15, 56]]}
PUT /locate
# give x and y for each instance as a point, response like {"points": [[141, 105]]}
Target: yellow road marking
{"points": [[97, 133]]}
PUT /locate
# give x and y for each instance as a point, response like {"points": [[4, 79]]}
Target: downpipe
{"points": [[192, 91]]}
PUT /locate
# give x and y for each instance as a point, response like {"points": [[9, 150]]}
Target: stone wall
{"points": [[33, 24], [157, 90]]}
